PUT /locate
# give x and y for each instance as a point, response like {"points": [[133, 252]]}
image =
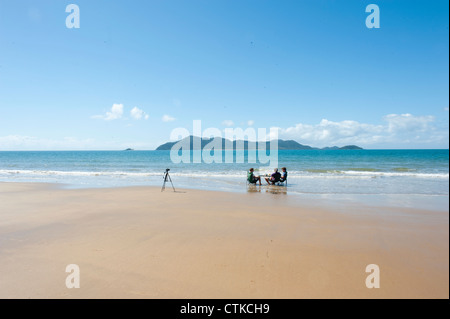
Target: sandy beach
{"points": [[137, 242]]}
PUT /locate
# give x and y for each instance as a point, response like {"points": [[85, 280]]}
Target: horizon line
{"points": [[149, 150]]}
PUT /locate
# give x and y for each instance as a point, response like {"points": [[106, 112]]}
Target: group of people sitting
{"points": [[276, 177]]}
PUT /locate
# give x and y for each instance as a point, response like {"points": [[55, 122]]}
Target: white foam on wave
{"points": [[398, 174], [222, 174]]}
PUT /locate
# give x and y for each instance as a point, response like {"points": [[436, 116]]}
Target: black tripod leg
{"points": [[164, 184], [171, 182]]}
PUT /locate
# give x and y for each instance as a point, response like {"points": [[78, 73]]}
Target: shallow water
{"points": [[403, 178]]}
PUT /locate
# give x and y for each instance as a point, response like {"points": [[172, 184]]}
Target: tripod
{"points": [[166, 178]]}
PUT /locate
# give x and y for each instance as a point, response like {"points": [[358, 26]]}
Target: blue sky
{"points": [[135, 70]]}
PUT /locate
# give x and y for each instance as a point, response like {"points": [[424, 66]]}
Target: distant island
{"points": [[282, 145], [129, 149]]}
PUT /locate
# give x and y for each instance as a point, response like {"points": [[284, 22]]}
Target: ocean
{"points": [[402, 178]]}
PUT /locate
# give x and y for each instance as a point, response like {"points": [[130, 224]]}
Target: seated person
{"points": [[252, 179], [283, 175], [274, 178]]}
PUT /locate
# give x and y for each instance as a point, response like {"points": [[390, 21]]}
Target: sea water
{"points": [[405, 178]]}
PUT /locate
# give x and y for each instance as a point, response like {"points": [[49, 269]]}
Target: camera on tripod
{"points": [[166, 178]]}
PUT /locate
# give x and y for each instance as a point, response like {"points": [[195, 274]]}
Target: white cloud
{"points": [[407, 122], [115, 113], [397, 130], [251, 123], [168, 118], [228, 123], [446, 108], [137, 114]]}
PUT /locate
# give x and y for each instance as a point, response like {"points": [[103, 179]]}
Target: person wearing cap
{"points": [[274, 178]]}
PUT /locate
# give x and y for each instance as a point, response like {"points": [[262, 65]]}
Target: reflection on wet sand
{"points": [[272, 189], [276, 190]]}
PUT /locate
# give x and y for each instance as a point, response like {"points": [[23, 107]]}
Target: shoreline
{"points": [[429, 202], [137, 242]]}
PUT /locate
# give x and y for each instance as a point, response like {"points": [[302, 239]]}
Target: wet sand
{"points": [[140, 243]]}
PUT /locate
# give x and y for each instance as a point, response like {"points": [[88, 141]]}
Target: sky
{"points": [[136, 70]]}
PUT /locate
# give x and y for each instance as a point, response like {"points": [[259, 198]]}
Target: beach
{"points": [[141, 147], [136, 242]]}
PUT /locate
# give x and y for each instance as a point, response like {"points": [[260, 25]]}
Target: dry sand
{"points": [[141, 243]]}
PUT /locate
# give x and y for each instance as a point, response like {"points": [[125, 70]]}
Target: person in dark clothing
{"points": [[274, 178]]}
